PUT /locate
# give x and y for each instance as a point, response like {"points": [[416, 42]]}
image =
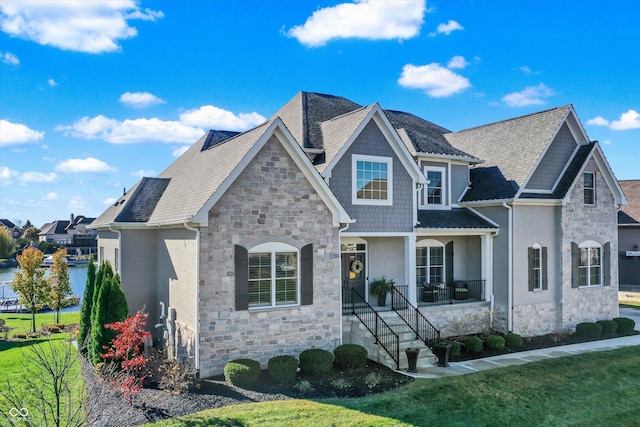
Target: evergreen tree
{"points": [[87, 304], [111, 307], [103, 274]]}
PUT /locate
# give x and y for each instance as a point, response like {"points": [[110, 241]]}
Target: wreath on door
{"points": [[357, 266]]}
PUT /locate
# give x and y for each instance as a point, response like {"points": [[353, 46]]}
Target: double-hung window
{"points": [[273, 275], [590, 264], [430, 264], [436, 190], [537, 267], [372, 181], [589, 181]]}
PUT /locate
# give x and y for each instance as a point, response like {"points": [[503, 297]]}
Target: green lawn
{"points": [[601, 388], [21, 323]]}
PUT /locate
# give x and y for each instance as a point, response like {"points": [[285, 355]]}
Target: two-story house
{"points": [[250, 239]]}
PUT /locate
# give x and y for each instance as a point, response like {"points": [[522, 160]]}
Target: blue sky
{"points": [[96, 94]]}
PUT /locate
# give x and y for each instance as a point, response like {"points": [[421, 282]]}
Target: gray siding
{"points": [[139, 271], [445, 179], [628, 237], [459, 181], [554, 161], [396, 218]]}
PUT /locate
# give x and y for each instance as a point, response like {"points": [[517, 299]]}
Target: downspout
{"points": [[510, 269], [197, 343]]}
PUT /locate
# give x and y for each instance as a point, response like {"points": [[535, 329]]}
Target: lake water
{"points": [[77, 278]]}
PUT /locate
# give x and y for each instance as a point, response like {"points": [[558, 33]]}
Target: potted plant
{"points": [[380, 288], [430, 293]]}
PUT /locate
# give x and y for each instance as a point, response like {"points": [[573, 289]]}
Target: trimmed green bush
{"points": [[242, 372], [588, 330], [351, 356], [512, 340], [609, 327], [316, 361], [625, 325], [455, 348], [283, 369], [473, 344], [495, 342]]}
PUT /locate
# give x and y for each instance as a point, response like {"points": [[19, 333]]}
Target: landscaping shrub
{"points": [[495, 341], [283, 369], [242, 372], [609, 327], [455, 348], [316, 361], [625, 325], [513, 340], [473, 344], [351, 356], [588, 330]]}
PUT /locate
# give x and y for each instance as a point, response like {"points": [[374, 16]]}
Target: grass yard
{"points": [[629, 299], [601, 388], [20, 323]]}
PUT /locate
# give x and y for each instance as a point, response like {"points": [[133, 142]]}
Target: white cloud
{"points": [[180, 151], [7, 175], [85, 26], [110, 201], [88, 165], [51, 196], [598, 121], [212, 117], [132, 131], [76, 204], [36, 177], [9, 58], [140, 99], [52, 83], [436, 80], [628, 120], [607, 142], [142, 173], [364, 19], [447, 28], [16, 133], [457, 62], [527, 70], [530, 95]]}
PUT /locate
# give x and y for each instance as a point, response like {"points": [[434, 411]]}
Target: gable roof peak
{"points": [[564, 108]]}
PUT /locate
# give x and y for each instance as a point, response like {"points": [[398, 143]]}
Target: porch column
{"points": [[487, 264], [410, 265]]}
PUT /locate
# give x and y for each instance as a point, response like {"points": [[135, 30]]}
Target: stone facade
{"points": [[537, 319], [271, 201], [581, 223]]}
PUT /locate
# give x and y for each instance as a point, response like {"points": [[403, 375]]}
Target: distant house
{"points": [[13, 229], [263, 243], [629, 234], [73, 233]]}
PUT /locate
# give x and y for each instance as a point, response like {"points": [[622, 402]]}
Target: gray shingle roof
{"points": [[140, 204], [455, 218], [630, 214], [488, 183], [514, 145], [421, 135], [215, 137]]}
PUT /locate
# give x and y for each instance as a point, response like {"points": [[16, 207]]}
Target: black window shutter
{"points": [[575, 259], [241, 259], [606, 264], [448, 259], [306, 274], [530, 264], [543, 267]]}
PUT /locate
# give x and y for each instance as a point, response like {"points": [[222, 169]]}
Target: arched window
{"points": [[590, 264], [537, 260], [430, 262]]}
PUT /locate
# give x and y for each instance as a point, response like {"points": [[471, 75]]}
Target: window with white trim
{"points": [[273, 275], [536, 267], [589, 180], [435, 191], [372, 181], [430, 262], [590, 264]]}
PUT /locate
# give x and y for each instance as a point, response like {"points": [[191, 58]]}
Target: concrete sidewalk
{"points": [[520, 358]]}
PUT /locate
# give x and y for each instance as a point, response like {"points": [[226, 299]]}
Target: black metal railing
{"points": [[454, 292], [354, 303], [419, 324]]}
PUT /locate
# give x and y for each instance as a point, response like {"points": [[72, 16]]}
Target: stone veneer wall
{"points": [[536, 319], [270, 201], [581, 223], [472, 318]]}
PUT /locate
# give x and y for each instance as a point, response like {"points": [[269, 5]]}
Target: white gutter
{"points": [[197, 343], [510, 270]]}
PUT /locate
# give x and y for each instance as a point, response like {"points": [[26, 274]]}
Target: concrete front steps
{"points": [[360, 335]]}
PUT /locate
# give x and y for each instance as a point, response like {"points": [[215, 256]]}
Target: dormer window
{"points": [[372, 180], [589, 179], [435, 190]]}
